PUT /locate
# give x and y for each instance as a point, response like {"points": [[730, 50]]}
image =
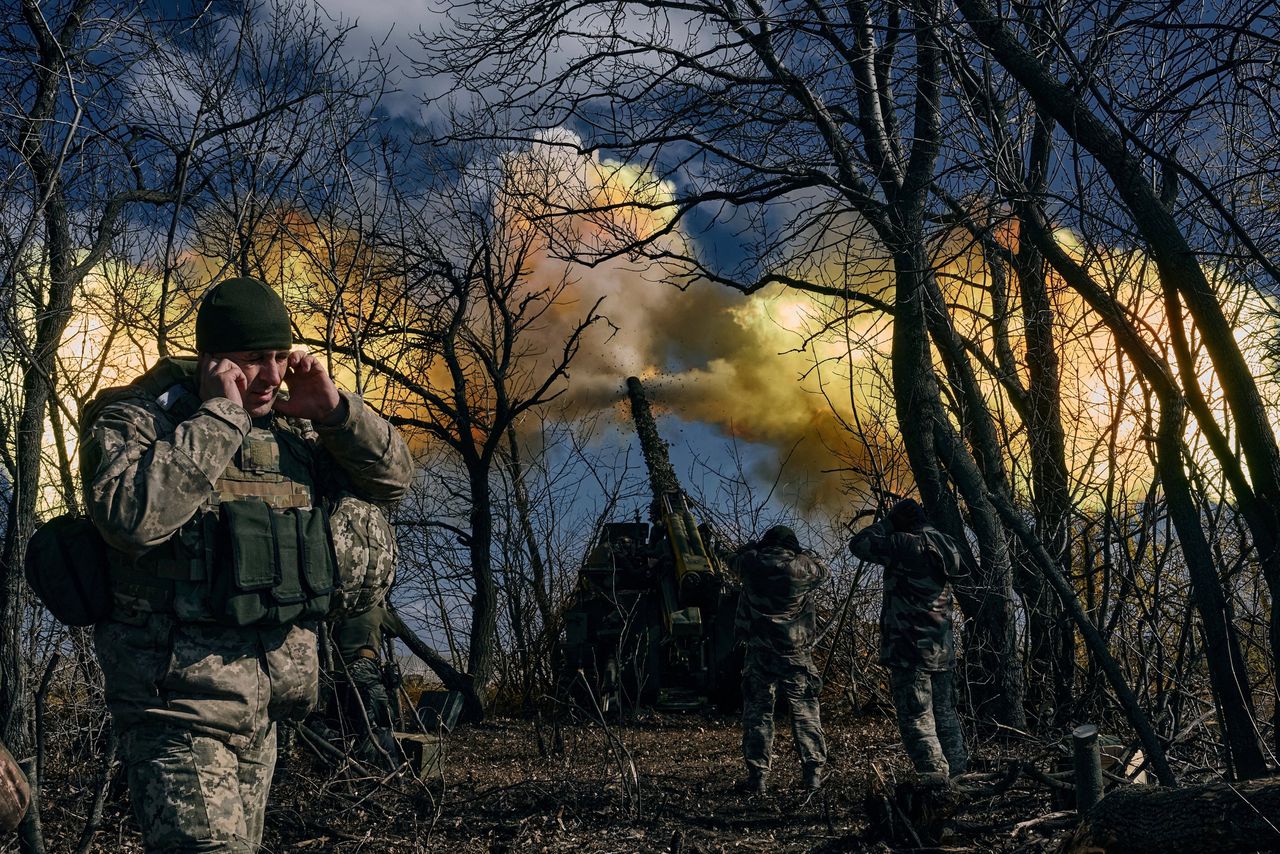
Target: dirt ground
{"points": [[663, 783]]}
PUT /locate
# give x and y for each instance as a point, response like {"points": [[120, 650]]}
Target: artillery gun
{"points": [[651, 620]]}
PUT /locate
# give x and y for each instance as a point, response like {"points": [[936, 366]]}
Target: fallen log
{"points": [[473, 708], [1219, 817]]}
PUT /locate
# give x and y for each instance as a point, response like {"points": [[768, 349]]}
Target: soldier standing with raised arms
{"points": [[212, 490], [917, 640], [776, 621]]}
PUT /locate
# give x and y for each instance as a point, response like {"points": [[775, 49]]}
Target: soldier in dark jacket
{"points": [[775, 622], [917, 640]]}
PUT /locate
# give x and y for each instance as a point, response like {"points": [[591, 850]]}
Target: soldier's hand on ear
{"points": [[220, 378], [312, 395]]}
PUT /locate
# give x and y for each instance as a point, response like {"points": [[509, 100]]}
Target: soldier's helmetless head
{"points": [[781, 535], [263, 372], [244, 320], [907, 515]]}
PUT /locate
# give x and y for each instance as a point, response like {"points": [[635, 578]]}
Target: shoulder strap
{"points": [[168, 382], [163, 382]]}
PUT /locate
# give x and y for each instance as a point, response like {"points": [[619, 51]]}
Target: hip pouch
{"points": [[271, 567], [66, 566]]}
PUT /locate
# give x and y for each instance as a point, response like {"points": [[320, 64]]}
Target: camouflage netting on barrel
{"points": [[365, 546]]}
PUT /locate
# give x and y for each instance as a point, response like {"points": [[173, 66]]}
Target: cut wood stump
{"points": [[1218, 817], [911, 813]]}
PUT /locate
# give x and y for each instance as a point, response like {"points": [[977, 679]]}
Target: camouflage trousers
{"points": [[365, 708], [196, 793], [926, 707], [762, 675], [195, 707]]}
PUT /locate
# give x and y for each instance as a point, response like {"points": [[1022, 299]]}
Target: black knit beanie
{"points": [[781, 535], [242, 314]]}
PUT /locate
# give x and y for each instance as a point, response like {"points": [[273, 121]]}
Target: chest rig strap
{"points": [[176, 576], [256, 471]]}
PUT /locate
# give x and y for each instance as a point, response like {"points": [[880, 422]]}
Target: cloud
{"points": [[744, 365]]}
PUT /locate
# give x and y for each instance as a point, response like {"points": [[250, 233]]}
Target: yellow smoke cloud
{"points": [[753, 367], [780, 368], [1103, 405]]}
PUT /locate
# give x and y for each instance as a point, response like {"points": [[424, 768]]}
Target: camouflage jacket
{"points": [[776, 610], [151, 462], [15, 793], [915, 617]]}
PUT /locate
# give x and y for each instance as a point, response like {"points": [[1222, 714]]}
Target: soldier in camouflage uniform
{"points": [[361, 694], [210, 487], [775, 621], [917, 641]]}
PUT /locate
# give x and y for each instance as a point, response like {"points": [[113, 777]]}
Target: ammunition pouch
{"points": [[66, 567], [258, 553], [271, 567]]}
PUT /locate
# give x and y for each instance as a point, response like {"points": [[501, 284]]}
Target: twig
{"points": [[41, 695], [94, 820], [1054, 817], [31, 830], [1041, 777], [1001, 782], [321, 745], [620, 752]]}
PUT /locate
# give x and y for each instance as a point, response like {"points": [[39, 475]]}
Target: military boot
{"points": [[814, 776], [754, 784]]}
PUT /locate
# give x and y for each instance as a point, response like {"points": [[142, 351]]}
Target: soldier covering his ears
{"points": [[214, 492], [917, 640]]}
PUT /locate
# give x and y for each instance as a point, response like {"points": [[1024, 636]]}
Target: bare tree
{"points": [[440, 311], [88, 144], [1119, 150]]}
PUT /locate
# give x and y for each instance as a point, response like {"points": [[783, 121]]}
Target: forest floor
{"points": [[510, 785]]}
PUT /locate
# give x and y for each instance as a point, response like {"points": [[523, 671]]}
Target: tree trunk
{"points": [[1224, 660], [1218, 817], [473, 709], [995, 676], [484, 601], [1052, 639], [1178, 268], [992, 660], [524, 517]]}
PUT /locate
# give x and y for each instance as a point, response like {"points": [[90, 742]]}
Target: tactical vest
{"points": [[259, 552]]}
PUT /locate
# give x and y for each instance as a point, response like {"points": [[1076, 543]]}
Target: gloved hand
{"points": [[882, 528]]}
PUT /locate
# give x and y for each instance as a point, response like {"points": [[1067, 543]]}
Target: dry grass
{"points": [[504, 786]]}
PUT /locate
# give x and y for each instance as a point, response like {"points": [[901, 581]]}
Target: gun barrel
{"points": [[662, 477]]}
